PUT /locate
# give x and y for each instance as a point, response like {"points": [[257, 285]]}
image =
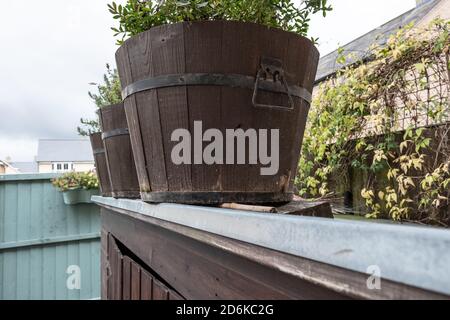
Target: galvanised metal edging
{"points": [[416, 256]]}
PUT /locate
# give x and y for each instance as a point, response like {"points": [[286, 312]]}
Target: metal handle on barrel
{"points": [[271, 68]]}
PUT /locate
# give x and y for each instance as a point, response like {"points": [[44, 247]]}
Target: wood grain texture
{"points": [[104, 265], [134, 280], [115, 270], [126, 278], [168, 57], [213, 47], [146, 285], [119, 155], [100, 164], [199, 265], [132, 114], [136, 63], [198, 271], [200, 41]]}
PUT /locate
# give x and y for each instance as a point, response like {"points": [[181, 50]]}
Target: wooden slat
{"points": [[146, 286], [116, 271], [236, 111], [131, 68], [112, 269], [119, 276], [135, 281], [275, 45], [160, 291], [152, 141], [100, 164], [126, 278], [168, 57], [104, 262], [204, 101], [304, 77]]}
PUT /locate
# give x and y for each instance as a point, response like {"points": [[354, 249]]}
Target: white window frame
{"points": [[62, 164]]}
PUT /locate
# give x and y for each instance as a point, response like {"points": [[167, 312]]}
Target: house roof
{"points": [[64, 150], [4, 163], [25, 167], [8, 165], [360, 46]]}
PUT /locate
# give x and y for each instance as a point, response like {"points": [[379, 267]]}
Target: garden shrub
{"points": [[137, 16]]}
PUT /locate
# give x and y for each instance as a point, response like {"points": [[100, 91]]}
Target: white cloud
{"points": [[51, 50], [18, 149]]}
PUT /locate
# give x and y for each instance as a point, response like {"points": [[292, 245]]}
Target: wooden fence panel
{"points": [[41, 237]]}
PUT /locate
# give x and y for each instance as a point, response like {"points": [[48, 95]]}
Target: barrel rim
{"points": [[273, 29], [96, 139], [111, 106], [130, 194]]}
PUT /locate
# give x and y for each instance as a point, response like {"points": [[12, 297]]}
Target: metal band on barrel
{"points": [[115, 133], [213, 79], [98, 151]]}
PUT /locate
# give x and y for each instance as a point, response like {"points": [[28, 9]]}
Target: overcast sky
{"points": [[52, 49]]}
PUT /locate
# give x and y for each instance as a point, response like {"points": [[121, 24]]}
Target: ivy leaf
{"points": [[420, 67]]}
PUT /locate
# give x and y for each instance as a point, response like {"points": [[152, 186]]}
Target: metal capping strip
{"points": [[115, 133], [416, 256], [98, 151], [213, 79]]}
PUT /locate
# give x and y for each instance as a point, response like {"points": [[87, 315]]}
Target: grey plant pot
{"points": [[77, 196]]}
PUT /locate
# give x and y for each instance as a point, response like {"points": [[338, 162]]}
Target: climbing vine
{"points": [[389, 118]]}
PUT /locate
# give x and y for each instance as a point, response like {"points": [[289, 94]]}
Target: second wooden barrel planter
{"points": [[119, 156], [100, 164], [219, 75]]}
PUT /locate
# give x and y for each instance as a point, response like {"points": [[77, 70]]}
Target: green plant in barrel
{"points": [[137, 16], [108, 93]]}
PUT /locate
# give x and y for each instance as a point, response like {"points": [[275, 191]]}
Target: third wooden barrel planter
{"points": [[226, 76], [119, 156], [100, 163]]}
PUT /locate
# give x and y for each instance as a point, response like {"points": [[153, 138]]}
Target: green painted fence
{"points": [[41, 239]]}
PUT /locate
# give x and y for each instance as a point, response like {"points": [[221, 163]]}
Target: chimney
{"points": [[420, 3]]}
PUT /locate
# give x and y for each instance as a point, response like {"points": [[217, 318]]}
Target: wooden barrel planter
{"points": [[119, 156], [100, 164], [228, 75]]}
